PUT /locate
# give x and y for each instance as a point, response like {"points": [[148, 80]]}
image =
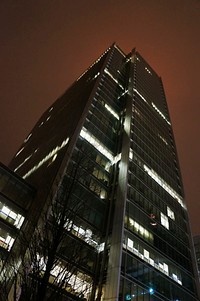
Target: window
{"points": [[6, 241], [164, 220], [12, 217], [170, 213]]}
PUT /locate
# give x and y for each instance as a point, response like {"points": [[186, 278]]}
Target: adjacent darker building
{"points": [[113, 124], [16, 197], [197, 251]]}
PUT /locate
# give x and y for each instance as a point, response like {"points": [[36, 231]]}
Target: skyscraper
{"points": [[113, 124]]}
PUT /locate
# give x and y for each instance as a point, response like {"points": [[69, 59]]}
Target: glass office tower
{"points": [[113, 124]]}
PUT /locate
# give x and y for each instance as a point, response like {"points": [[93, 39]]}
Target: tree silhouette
{"points": [[58, 259]]}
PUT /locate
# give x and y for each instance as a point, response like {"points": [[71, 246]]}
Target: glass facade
{"points": [[15, 199], [113, 126]]}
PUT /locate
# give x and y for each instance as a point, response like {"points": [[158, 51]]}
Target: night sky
{"points": [[46, 44]]}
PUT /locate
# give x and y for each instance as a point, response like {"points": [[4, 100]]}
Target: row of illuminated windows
{"points": [[110, 132], [153, 206], [146, 139], [103, 110], [105, 138], [97, 189], [11, 216], [29, 136], [85, 234], [6, 239], [155, 285], [136, 227], [149, 92], [113, 78], [164, 240], [99, 109], [156, 183], [152, 183], [160, 159], [100, 147], [141, 117], [149, 127], [105, 88], [159, 139], [164, 185], [146, 93], [136, 166], [148, 118], [147, 69], [160, 113], [146, 129], [95, 62], [159, 216], [94, 157], [143, 232], [108, 97], [154, 259], [101, 98], [96, 143], [75, 283], [78, 284], [51, 156], [143, 175]]}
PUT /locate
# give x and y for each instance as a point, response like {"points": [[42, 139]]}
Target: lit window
{"points": [[49, 156], [96, 75], [19, 151], [41, 124], [96, 143], [134, 226], [131, 154], [164, 220], [140, 95], [160, 113], [148, 70], [101, 247], [146, 254], [25, 160], [163, 139], [12, 217], [164, 185], [28, 137], [112, 111], [166, 268], [86, 235], [170, 213], [130, 243], [114, 79], [6, 241]]}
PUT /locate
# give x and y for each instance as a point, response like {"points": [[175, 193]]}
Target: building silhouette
{"points": [[15, 199], [197, 251], [112, 126]]}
